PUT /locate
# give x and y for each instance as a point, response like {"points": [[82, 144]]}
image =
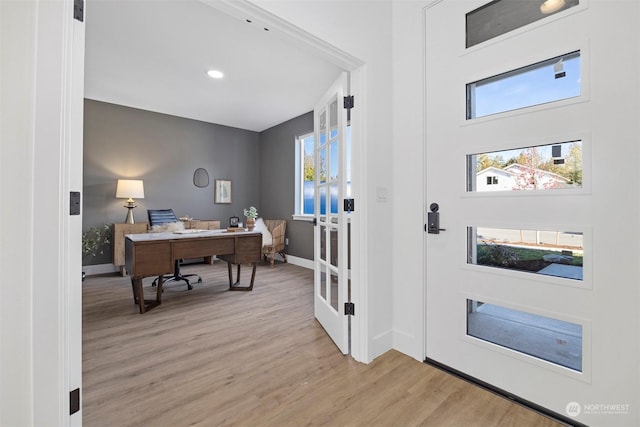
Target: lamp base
{"points": [[129, 218]]}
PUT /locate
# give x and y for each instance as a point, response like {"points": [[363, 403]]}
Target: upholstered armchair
{"points": [[277, 228]]}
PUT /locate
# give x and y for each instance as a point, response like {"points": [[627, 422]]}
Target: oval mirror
{"points": [[201, 178]]}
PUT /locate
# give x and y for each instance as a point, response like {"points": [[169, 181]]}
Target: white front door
{"points": [[330, 219], [531, 156]]}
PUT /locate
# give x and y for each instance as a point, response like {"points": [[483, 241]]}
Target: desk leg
{"points": [[159, 290], [234, 286], [133, 289], [138, 295], [230, 274]]}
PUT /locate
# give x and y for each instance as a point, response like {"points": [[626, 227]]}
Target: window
{"points": [[502, 16], [547, 252], [305, 167], [541, 167], [546, 81], [305, 173], [554, 340]]}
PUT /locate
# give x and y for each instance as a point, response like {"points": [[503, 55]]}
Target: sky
{"points": [[531, 87]]}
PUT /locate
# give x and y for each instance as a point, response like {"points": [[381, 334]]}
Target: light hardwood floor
{"points": [[209, 357]]}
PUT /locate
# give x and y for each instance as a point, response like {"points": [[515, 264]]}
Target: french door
{"points": [[530, 202], [330, 219]]}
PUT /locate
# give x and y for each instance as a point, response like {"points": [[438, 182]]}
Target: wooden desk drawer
{"points": [[202, 248], [148, 259], [248, 249]]}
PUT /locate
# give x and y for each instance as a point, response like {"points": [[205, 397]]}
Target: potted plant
{"points": [[251, 214], [94, 241]]}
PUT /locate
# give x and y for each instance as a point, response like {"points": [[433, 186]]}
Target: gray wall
{"points": [[277, 181], [164, 151]]}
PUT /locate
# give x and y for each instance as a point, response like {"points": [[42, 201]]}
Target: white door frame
{"points": [[293, 34], [40, 323], [54, 106]]}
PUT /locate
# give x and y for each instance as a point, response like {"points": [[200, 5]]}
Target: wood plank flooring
{"points": [[210, 357]]}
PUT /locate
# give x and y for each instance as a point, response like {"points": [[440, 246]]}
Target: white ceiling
{"points": [[154, 55]]}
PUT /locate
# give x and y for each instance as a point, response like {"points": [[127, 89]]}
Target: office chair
{"points": [[164, 216]]}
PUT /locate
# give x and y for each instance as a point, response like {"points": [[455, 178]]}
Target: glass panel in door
{"points": [[331, 285]]}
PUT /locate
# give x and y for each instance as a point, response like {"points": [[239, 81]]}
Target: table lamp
{"points": [[128, 189]]}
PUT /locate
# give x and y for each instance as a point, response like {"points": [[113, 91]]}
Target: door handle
{"points": [[433, 220]]}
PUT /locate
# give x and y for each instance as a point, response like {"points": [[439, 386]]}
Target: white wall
{"points": [[18, 36], [363, 29], [408, 177]]}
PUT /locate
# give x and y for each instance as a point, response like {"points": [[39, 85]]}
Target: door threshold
{"points": [[510, 396]]}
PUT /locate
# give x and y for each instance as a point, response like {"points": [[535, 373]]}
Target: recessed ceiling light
{"points": [[215, 74], [550, 6]]}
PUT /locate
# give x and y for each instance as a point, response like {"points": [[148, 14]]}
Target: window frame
{"points": [[299, 214], [471, 115]]}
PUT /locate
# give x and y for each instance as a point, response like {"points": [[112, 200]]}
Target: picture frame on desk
{"points": [[222, 191]]}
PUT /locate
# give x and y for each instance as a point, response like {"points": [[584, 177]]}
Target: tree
{"points": [[573, 163], [484, 161], [309, 170], [530, 176]]}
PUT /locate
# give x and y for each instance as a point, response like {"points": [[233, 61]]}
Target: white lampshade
{"points": [[130, 189]]}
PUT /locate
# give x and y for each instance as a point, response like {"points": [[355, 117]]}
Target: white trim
{"points": [[73, 159], [54, 352], [360, 349], [308, 218], [242, 9], [92, 270], [301, 262], [299, 166]]}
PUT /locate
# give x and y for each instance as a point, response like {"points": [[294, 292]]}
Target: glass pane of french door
{"points": [[330, 232]]}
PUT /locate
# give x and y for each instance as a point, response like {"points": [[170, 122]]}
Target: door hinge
{"points": [[349, 309], [315, 221], [349, 102], [78, 10], [74, 401], [349, 205]]}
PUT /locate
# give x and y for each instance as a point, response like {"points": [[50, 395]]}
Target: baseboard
{"points": [[301, 262], [380, 344], [91, 270], [407, 344]]}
